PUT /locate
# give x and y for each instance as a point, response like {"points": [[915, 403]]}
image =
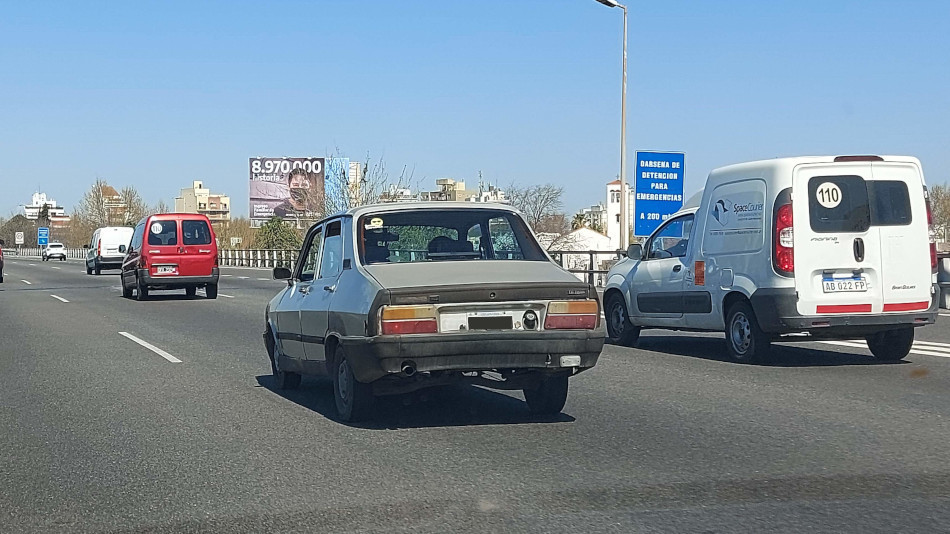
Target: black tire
{"points": [[891, 345], [191, 291], [88, 269], [354, 399], [745, 341], [141, 290], [98, 269], [549, 396], [126, 290], [211, 290], [286, 380], [620, 331], [63, 258]]}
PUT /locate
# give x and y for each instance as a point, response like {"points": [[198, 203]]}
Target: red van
{"points": [[171, 251]]}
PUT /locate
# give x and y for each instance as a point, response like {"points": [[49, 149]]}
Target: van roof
{"points": [[789, 162]]}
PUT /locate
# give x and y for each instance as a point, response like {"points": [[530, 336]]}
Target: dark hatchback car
{"points": [[393, 298]]}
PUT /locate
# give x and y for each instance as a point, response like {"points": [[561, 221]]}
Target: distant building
{"points": [[398, 195], [595, 217], [492, 194], [449, 190], [572, 252], [56, 213], [117, 210], [613, 212], [198, 199]]}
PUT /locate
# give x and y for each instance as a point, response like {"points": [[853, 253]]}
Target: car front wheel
{"points": [[549, 396], [620, 331], [354, 399], [891, 345]]}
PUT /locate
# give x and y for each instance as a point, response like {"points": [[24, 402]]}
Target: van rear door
{"points": [[198, 248], [162, 248], [850, 226]]}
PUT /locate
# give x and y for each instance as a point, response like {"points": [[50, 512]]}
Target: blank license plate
{"points": [[165, 269], [844, 285], [502, 322]]}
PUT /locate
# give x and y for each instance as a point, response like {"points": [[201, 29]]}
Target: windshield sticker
{"points": [[828, 195], [374, 223], [156, 228]]}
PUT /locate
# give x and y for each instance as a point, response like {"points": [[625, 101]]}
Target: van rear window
{"points": [[838, 204], [195, 233], [890, 203], [163, 233]]}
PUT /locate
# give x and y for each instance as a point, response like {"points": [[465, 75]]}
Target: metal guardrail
{"points": [[257, 258], [590, 272], [36, 252]]}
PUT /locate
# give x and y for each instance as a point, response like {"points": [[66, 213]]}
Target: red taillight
{"points": [[411, 326], [933, 239], [784, 240], [572, 315], [408, 320], [99, 248]]}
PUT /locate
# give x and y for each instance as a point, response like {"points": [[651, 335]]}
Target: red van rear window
{"points": [[163, 233], [195, 232]]}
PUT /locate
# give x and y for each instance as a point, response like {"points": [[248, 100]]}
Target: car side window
{"points": [[672, 241], [331, 261], [311, 256], [137, 236]]}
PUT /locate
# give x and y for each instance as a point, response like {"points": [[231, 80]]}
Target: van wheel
{"points": [[549, 396], [891, 345], [354, 399], [191, 291], [88, 270], [746, 342], [98, 269], [141, 290], [211, 290], [620, 331]]}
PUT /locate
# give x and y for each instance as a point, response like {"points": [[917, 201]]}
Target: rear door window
{"points": [[195, 232], [890, 203], [163, 233], [838, 204]]}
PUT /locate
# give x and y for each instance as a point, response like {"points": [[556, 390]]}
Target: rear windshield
{"points": [[445, 235], [890, 203], [195, 232], [163, 233], [851, 204]]}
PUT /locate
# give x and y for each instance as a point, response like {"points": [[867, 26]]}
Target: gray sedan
{"points": [[391, 298]]}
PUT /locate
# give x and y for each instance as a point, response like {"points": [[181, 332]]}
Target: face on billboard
{"points": [[285, 187]]}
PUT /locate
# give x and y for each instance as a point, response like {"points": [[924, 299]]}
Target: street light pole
{"points": [[624, 196]]}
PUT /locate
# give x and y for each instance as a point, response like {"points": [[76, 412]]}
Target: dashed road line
{"points": [[57, 268], [59, 298], [32, 265], [265, 279], [151, 347], [243, 277], [226, 275], [27, 282], [945, 314]]}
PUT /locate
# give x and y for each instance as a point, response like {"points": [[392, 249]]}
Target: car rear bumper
{"points": [[177, 282], [56, 255], [777, 313], [375, 357], [106, 262]]}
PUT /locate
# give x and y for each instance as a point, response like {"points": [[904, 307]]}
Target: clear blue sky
{"points": [[157, 94]]}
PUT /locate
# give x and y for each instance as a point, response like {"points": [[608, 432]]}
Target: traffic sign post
{"points": [[42, 236], [659, 189], [19, 238]]}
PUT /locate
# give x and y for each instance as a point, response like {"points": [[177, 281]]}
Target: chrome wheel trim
{"points": [[741, 333]]}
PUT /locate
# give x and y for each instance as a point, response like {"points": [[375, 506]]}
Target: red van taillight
{"points": [[572, 315], [933, 237], [408, 320], [784, 241]]}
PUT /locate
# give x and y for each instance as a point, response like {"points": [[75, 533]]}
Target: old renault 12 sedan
{"points": [[391, 298]]}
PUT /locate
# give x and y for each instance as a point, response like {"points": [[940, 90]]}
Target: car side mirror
{"points": [[635, 251], [282, 273], [122, 249]]}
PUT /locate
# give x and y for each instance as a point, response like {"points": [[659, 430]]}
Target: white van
{"points": [[107, 248], [831, 247]]}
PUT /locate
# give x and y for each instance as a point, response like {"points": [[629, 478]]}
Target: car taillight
{"points": [[572, 315], [143, 263], [408, 320], [783, 254], [99, 248], [933, 236]]}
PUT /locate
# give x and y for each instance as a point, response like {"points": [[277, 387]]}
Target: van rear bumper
{"points": [[177, 282], [777, 312]]}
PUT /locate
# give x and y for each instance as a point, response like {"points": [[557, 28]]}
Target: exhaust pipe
{"points": [[408, 368]]}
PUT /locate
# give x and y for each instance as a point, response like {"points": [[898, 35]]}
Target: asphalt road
{"points": [[98, 433]]}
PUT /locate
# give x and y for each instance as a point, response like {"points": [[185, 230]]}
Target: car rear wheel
{"points": [[549, 396], [126, 290], [98, 269], [891, 345], [746, 342], [88, 269], [141, 290], [354, 399], [620, 331], [211, 290], [191, 291]]}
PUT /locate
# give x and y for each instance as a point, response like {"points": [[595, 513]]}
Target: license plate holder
{"points": [[856, 284]]}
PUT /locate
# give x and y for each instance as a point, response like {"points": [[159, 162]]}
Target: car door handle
{"points": [[331, 289], [676, 268]]}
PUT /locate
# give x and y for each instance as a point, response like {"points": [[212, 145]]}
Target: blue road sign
{"points": [[659, 189], [42, 236]]}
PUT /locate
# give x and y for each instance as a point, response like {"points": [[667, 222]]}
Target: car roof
{"points": [[54, 243], [432, 205]]}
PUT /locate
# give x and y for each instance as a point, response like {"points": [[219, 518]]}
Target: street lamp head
{"points": [[610, 3]]}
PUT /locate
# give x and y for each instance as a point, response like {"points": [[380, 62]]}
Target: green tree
{"points": [[275, 234]]}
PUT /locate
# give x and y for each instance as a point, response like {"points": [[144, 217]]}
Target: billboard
{"points": [[291, 188], [659, 189]]}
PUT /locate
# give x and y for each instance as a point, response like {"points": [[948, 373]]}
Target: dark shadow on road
{"points": [[446, 406], [783, 354]]}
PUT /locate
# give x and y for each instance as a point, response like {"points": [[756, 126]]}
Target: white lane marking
{"points": [[225, 296], [226, 275], [945, 314], [922, 348], [59, 298], [32, 265], [243, 277], [27, 282], [151, 347], [264, 279]]}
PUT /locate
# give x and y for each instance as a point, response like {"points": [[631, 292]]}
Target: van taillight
{"points": [[784, 241], [99, 248], [933, 236]]}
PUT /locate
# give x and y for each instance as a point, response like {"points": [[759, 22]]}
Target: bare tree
{"points": [[239, 228], [939, 196], [160, 207], [541, 205], [135, 207], [92, 210], [344, 191]]}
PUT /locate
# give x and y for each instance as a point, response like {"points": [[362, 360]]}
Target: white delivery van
{"points": [[830, 247], [106, 249]]}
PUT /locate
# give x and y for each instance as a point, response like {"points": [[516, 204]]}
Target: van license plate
{"points": [[165, 269], [844, 285]]}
